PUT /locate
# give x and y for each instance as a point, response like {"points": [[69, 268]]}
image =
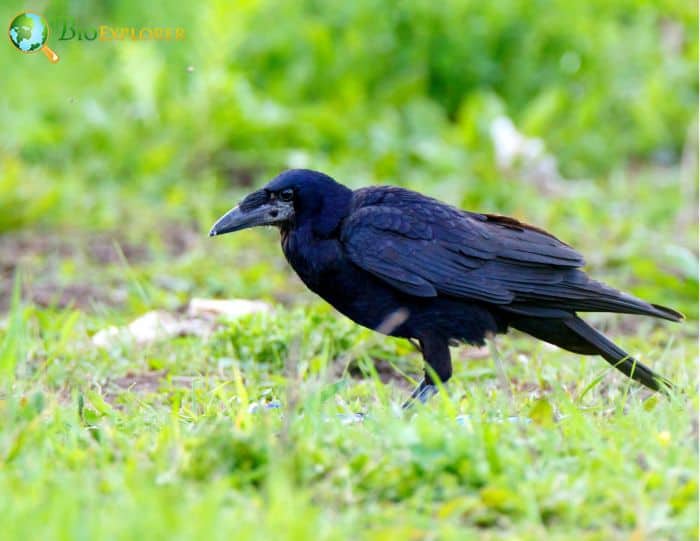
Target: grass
{"points": [[185, 457], [115, 162], [174, 439]]}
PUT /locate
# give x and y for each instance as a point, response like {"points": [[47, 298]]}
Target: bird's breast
{"points": [[314, 260], [327, 271], [371, 302]]}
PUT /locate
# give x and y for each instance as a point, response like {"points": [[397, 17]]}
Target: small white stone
{"points": [[231, 308]]}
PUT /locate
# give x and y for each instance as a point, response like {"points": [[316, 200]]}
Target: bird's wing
{"points": [[424, 248]]}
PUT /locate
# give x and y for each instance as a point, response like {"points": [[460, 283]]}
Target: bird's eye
{"points": [[286, 195]]}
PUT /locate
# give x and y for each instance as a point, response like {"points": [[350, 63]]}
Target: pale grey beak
{"points": [[236, 219]]}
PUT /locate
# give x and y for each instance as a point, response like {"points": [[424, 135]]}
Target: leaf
{"points": [[498, 498], [542, 412], [99, 404]]}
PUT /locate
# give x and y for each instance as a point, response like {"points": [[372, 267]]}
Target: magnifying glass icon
{"points": [[29, 33]]}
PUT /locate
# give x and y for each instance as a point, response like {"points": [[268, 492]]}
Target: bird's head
{"points": [[292, 198]]}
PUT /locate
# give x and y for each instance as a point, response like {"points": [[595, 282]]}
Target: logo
{"points": [[29, 33], [121, 33]]}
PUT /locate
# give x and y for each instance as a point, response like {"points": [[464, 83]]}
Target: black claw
{"points": [[422, 394]]}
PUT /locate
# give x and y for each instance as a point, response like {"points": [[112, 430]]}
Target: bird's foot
{"points": [[351, 418], [422, 394]]}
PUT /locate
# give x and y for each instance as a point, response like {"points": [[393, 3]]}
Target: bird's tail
{"points": [[617, 356], [574, 334], [599, 297]]}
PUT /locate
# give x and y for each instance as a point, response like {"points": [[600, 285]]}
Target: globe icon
{"points": [[29, 33]]}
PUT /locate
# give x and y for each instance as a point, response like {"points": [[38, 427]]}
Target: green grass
{"points": [[86, 455], [115, 161], [162, 441]]}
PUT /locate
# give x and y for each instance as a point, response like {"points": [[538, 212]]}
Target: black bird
{"points": [[441, 274]]}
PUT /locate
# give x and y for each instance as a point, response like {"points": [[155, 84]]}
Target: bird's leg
{"points": [[421, 393], [436, 352]]}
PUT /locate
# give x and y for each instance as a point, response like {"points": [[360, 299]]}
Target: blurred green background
{"points": [[578, 116], [131, 137]]}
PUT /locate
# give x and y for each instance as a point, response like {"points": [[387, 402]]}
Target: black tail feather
{"points": [[574, 334], [618, 357], [668, 313]]}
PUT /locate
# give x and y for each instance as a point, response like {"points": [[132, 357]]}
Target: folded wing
{"points": [[425, 248]]}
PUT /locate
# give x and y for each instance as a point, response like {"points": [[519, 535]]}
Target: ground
{"points": [[251, 429]]}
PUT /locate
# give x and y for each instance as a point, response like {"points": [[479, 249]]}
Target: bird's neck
{"points": [[311, 244], [325, 213]]}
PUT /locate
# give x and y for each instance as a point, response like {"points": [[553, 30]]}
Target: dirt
{"points": [[82, 296], [41, 254], [386, 372], [141, 383], [102, 248], [180, 239], [108, 250], [40, 257], [145, 382]]}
